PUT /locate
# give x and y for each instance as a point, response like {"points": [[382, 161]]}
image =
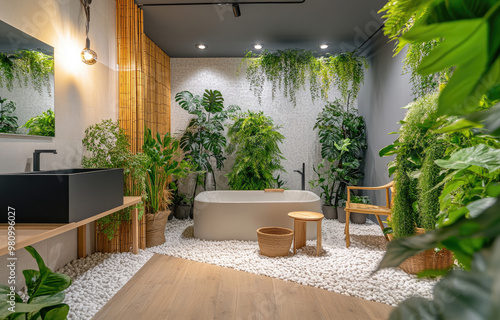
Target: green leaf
{"points": [[481, 155], [44, 282], [467, 45], [459, 125], [477, 207], [489, 118], [387, 151]]}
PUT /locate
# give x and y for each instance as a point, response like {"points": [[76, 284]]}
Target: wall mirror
{"points": [[26, 84]]}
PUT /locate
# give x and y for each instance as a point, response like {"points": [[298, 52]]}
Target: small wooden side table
{"points": [[300, 219]]}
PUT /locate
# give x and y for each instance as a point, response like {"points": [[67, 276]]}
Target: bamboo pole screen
{"points": [[144, 77]]}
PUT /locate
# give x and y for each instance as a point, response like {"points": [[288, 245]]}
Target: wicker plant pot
{"points": [[274, 241], [122, 241], [155, 228], [341, 214], [429, 259], [329, 212]]}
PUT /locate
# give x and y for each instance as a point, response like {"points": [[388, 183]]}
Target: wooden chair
{"points": [[368, 208]]}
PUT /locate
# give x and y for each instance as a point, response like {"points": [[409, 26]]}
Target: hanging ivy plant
{"points": [[423, 84], [26, 65], [289, 70], [346, 72]]}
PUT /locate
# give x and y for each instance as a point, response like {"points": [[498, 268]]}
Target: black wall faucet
{"points": [[303, 173], [36, 158]]}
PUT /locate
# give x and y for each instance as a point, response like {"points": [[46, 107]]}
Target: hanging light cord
{"points": [[86, 8]]}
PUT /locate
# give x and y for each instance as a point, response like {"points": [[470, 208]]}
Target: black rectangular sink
{"points": [[60, 196]]}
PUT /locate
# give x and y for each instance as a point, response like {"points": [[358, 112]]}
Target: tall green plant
{"points": [[26, 66], [8, 121], [164, 161], [42, 125], [415, 136], [45, 294], [204, 142], [255, 139], [289, 70], [342, 137], [429, 185]]}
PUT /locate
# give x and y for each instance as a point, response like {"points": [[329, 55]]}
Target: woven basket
{"points": [[274, 241], [429, 259], [155, 228]]}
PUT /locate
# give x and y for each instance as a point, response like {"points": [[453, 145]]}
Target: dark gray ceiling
{"points": [[343, 24]]}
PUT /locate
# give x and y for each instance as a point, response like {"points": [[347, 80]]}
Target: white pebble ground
{"points": [[347, 271]]}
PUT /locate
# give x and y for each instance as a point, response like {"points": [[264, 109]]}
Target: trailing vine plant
{"points": [[289, 70], [26, 66], [423, 84]]}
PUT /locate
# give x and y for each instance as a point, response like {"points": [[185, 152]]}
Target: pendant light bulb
{"points": [[88, 55]]}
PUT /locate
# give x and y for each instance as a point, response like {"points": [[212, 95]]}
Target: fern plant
{"points": [[255, 139]]}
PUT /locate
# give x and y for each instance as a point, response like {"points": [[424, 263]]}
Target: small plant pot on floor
{"points": [[358, 218], [329, 212], [341, 214], [155, 228], [182, 211], [274, 241], [429, 259]]}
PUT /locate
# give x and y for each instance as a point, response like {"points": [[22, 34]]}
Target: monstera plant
{"points": [[204, 142]]}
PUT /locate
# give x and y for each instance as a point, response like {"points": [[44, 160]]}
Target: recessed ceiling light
{"points": [[323, 46], [257, 46], [201, 46]]}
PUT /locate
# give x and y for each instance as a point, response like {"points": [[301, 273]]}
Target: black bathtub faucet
{"points": [[303, 173], [36, 158]]}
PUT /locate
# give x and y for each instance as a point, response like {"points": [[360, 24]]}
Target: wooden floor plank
{"points": [[173, 288]]}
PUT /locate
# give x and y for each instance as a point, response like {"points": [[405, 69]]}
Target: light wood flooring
{"points": [[173, 288]]}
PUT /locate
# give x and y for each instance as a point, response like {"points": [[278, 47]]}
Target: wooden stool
{"points": [[300, 219]]}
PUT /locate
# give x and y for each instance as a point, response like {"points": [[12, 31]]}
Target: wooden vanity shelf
{"points": [[31, 233]]}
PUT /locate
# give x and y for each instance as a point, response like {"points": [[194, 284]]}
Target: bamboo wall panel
{"points": [[144, 77]]}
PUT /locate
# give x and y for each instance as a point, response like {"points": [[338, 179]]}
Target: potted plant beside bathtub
{"points": [[181, 204], [325, 182], [164, 160]]}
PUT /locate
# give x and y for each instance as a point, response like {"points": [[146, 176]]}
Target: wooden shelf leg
{"points": [[82, 241], [135, 231]]}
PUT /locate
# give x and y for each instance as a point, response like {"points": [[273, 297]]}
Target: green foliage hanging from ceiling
{"points": [[26, 66], [289, 70]]}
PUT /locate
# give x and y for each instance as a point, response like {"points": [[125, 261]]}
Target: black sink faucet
{"points": [[303, 173], [36, 158]]}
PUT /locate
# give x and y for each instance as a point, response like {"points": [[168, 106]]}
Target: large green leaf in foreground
{"points": [[470, 42]]}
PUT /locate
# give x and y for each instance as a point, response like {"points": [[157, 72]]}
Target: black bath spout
{"points": [[36, 158], [303, 173]]}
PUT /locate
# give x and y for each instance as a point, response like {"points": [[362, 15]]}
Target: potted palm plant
{"points": [[164, 160]]}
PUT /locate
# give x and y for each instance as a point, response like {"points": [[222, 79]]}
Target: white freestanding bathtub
{"points": [[236, 215]]}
